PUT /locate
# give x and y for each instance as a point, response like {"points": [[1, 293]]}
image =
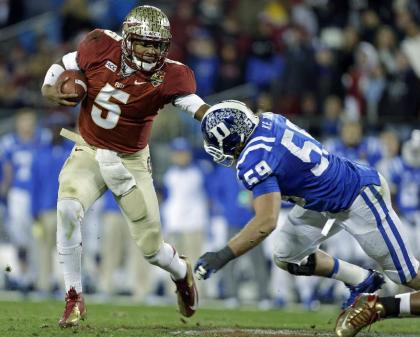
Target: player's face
{"points": [[25, 124], [147, 51], [351, 133]]}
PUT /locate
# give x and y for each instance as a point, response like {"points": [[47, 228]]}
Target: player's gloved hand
{"points": [[211, 262]]}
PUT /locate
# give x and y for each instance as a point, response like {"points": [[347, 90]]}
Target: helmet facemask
{"points": [[147, 25]]}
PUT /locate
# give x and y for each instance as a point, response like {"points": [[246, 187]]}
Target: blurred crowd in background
{"points": [[347, 71]]}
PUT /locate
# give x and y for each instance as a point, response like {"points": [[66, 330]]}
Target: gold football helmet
{"points": [[148, 25]]}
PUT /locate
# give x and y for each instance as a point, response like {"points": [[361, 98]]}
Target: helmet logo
{"points": [[220, 131]]}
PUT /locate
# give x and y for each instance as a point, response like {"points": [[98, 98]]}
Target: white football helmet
{"points": [[226, 127]]}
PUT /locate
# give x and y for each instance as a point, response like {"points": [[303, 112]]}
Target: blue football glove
{"points": [[211, 262]]}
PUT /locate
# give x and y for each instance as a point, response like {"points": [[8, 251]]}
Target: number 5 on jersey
{"points": [[102, 104]]}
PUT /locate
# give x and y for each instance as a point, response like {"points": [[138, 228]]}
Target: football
{"points": [[75, 84]]}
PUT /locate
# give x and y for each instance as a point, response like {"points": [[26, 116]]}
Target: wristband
{"points": [[226, 254], [52, 74]]}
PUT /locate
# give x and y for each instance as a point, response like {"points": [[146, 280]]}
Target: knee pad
{"points": [[149, 240], [69, 218], [133, 204], [305, 269]]}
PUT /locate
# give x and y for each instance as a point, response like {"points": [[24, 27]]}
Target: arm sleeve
{"points": [[70, 62], [93, 48], [182, 83], [268, 185]]}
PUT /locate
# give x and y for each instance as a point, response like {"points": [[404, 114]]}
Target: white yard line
{"points": [[272, 332]]}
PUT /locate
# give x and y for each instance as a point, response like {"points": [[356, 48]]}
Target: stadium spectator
{"points": [[183, 23], [231, 67], [75, 18], [391, 150], [332, 115], [353, 145], [122, 269], [404, 176], [45, 169], [111, 151], [18, 149], [185, 208], [264, 66], [203, 60], [233, 202]]}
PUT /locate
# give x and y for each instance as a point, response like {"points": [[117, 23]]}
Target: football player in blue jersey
{"points": [[276, 159], [404, 174]]}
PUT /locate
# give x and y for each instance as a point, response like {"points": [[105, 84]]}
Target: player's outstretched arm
{"points": [[267, 207], [193, 104], [51, 86], [199, 114]]}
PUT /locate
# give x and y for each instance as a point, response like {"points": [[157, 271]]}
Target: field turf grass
{"points": [[29, 319]]}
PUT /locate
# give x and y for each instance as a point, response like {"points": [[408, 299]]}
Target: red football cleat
{"points": [[75, 309], [186, 291]]}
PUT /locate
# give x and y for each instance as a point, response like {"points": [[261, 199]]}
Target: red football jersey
{"points": [[118, 111]]}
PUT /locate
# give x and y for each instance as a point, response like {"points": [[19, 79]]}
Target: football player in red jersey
{"points": [[129, 79]]}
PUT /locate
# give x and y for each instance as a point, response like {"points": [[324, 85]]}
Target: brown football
{"points": [[75, 84]]}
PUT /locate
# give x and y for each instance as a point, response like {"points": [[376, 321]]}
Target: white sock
{"points": [[405, 306], [348, 273], [168, 259], [71, 261], [69, 242]]}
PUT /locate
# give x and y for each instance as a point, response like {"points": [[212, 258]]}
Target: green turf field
{"points": [[40, 319]]}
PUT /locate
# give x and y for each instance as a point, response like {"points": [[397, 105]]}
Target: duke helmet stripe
{"points": [[391, 249], [395, 231]]}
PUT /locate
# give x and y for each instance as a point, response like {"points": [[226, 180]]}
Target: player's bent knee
{"points": [[69, 217], [133, 205], [415, 282], [395, 276], [280, 262], [307, 268], [69, 211]]}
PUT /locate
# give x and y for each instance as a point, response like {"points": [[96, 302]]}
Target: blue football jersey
{"points": [[369, 151], [407, 182], [281, 157], [20, 155]]}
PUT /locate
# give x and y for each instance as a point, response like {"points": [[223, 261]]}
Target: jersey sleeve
{"points": [[94, 47], [268, 185], [181, 82], [255, 170]]}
